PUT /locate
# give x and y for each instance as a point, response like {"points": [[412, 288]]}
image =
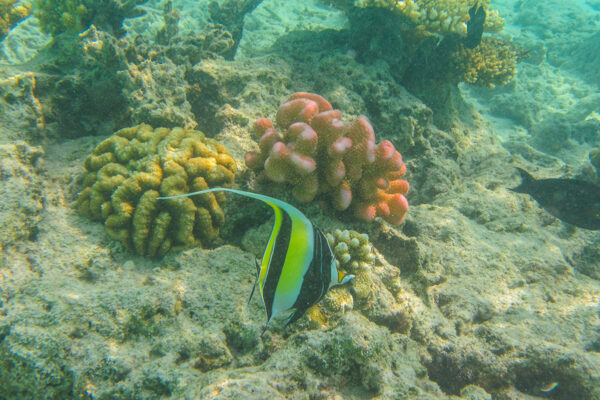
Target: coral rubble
{"points": [[128, 171], [317, 153]]}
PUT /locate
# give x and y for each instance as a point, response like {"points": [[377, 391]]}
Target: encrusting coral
{"points": [[317, 153], [11, 13], [440, 16], [128, 171]]}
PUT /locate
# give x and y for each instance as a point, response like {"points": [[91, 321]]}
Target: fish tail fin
{"points": [[526, 180], [256, 281], [264, 329]]}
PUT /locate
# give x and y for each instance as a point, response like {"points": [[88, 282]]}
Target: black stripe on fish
{"points": [[475, 26], [281, 242], [317, 278]]}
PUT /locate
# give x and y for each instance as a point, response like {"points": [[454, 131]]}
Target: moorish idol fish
{"points": [[475, 26], [298, 266], [571, 200]]}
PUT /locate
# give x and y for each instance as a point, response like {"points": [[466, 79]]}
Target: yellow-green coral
{"points": [[492, 63], [128, 171], [11, 14], [440, 16]]}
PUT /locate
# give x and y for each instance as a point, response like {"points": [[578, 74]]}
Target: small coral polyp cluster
{"points": [[11, 13], [127, 172], [492, 63], [352, 250], [440, 16], [355, 255], [317, 153]]}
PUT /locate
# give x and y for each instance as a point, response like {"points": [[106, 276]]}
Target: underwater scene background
{"points": [[473, 291]]}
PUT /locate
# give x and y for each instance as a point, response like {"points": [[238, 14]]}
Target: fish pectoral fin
{"points": [[255, 281], [344, 278]]}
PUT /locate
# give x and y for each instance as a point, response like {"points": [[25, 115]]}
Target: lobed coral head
{"points": [[315, 153]]}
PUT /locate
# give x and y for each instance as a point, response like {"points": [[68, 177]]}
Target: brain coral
{"points": [[128, 171]]}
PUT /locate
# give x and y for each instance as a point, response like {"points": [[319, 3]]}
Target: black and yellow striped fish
{"points": [[298, 266]]}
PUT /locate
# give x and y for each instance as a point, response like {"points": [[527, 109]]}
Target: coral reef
{"points": [[79, 78], [58, 16], [110, 83], [440, 16], [317, 153], [230, 14], [128, 171], [156, 80], [11, 13]]}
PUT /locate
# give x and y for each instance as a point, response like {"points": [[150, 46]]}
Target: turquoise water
{"points": [[473, 292]]}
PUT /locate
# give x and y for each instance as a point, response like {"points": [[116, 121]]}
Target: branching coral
{"points": [[440, 16], [317, 153], [128, 171], [11, 13], [57, 16], [492, 63]]}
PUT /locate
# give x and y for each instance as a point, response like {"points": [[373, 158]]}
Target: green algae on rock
{"points": [[127, 172], [21, 188]]}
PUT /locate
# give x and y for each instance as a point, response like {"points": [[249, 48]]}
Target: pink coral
{"points": [[317, 153]]}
